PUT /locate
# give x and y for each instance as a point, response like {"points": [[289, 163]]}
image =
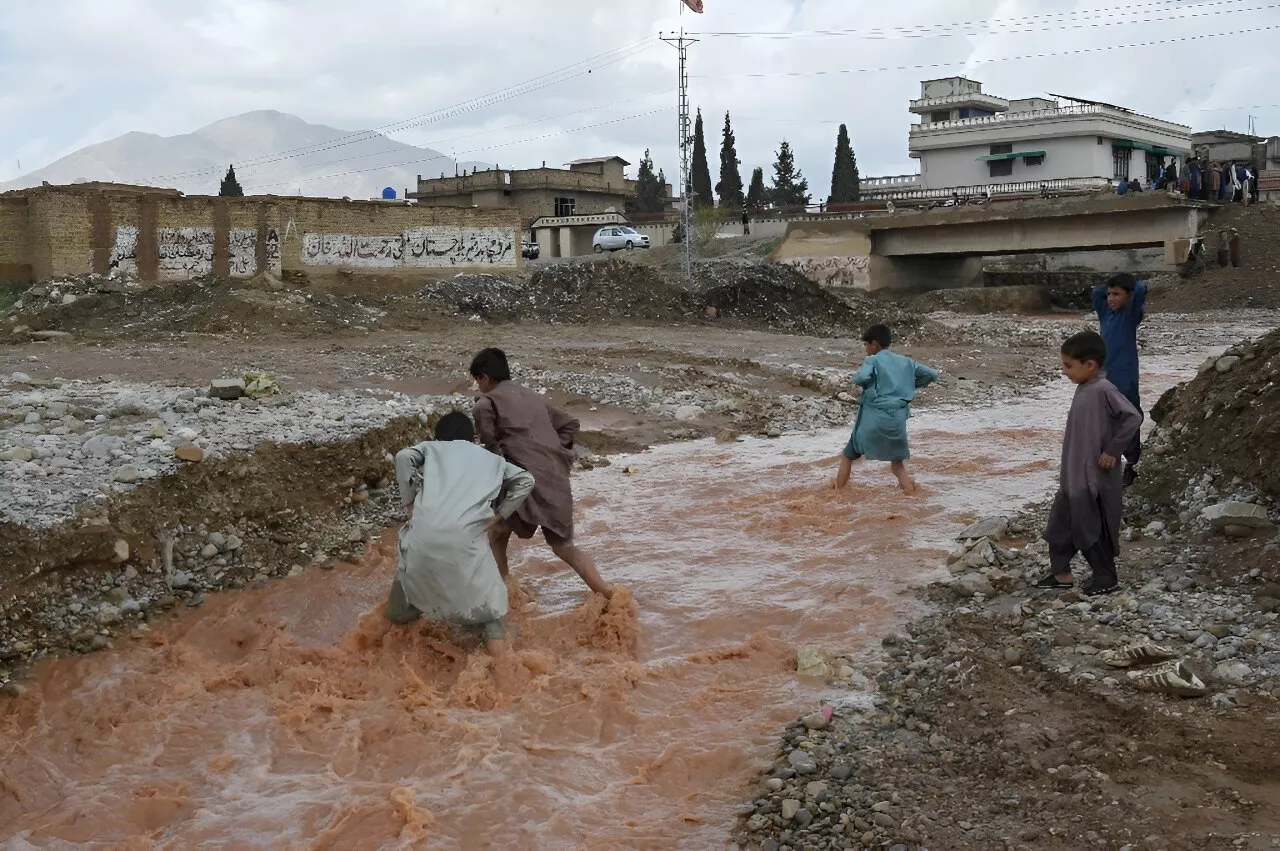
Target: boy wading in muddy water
{"points": [[446, 568], [519, 425], [889, 382], [1121, 304], [1085, 516]]}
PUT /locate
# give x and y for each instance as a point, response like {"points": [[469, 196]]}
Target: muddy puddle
{"points": [[294, 717]]}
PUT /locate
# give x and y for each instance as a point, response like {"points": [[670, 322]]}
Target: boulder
{"points": [[1235, 514], [988, 527], [226, 389]]}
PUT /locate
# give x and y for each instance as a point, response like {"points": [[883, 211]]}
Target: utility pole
{"points": [[684, 135]]}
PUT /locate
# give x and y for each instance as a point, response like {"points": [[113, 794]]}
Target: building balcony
{"points": [[972, 99], [1082, 111], [892, 183]]}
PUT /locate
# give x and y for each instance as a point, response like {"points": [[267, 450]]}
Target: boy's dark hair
{"points": [[455, 426], [1122, 281], [1086, 346], [491, 363], [878, 334]]}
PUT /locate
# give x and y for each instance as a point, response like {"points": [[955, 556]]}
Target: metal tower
{"points": [[684, 135]]}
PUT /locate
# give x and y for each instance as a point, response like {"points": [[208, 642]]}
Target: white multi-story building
{"points": [[968, 141]]}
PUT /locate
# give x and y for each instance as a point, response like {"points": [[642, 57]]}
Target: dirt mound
{"points": [[1227, 417], [607, 291], [1208, 286]]}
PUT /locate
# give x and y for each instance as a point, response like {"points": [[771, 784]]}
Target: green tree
{"points": [[730, 186], [230, 187], [845, 184], [700, 176], [790, 189], [757, 195], [650, 188]]}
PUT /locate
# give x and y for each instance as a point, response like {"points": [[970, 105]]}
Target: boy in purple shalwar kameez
{"points": [[1085, 517]]}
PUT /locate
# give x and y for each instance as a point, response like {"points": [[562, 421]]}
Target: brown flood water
{"points": [[295, 717]]}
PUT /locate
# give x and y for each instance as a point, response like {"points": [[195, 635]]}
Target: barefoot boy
{"points": [[447, 568], [519, 425], [889, 382], [1121, 304], [1085, 517]]}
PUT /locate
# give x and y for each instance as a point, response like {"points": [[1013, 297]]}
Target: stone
{"points": [[989, 527], [233, 543], [130, 607], [811, 661], [208, 551], [227, 389], [802, 762], [1235, 514], [121, 553], [1232, 671], [218, 540], [127, 474], [1155, 527], [804, 818], [841, 771], [816, 721], [884, 820], [687, 412], [973, 584], [790, 806], [815, 789], [774, 784], [1226, 363], [17, 453], [1236, 530], [189, 453], [180, 579]]}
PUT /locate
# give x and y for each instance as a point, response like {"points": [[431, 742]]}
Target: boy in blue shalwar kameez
{"points": [[889, 382], [1121, 304]]}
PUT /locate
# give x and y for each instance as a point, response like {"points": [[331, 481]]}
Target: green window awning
{"points": [[1143, 146], [1015, 155]]}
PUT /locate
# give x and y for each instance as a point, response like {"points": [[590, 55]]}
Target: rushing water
{"points": [[293, 716]]}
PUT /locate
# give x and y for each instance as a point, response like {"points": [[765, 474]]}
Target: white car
{"points": [[617, 237]]}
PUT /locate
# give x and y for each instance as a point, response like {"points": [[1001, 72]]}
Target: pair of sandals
{"points": [[1162, 670], [1095, 588]]}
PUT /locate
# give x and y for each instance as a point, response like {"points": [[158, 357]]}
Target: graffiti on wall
{"points": [[124, 252], [242, 248], [273, 251], [416, 247], [184, 253]]}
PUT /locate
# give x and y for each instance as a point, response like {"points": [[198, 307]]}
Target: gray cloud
{"points": [[169, 68]]}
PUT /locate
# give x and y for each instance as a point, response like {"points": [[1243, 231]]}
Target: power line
{"points": [[474, 150], [1047, 55], [1041, 22], [542, 81]]}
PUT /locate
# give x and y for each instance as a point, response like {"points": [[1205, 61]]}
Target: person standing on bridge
{"points": [[889, 382], [1121, 305]]}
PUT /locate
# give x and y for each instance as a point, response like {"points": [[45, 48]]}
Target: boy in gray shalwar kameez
{"points": [[1085, 517]]}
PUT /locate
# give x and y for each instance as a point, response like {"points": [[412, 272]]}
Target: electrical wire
{"points": [[1034, 23], [472, 151], [968, 62]]}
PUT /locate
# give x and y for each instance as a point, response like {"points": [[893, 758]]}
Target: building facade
{"points": [[967, 140], [587, 187]]}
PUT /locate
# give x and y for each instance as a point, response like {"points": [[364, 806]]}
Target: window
{"points": [[1001, 168], [1121, 158], [1033, 160], [944, 115], [564, 206]]}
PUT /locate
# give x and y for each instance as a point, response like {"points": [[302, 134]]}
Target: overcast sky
{"points": [[82, 71]]}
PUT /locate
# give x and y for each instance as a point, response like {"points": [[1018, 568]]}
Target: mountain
{"points": [[273, 152]]}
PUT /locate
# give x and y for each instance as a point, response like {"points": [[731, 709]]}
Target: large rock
{"points": [[1235, 514], [988, 527], [972, 584], [812, 662], [227, 389]]}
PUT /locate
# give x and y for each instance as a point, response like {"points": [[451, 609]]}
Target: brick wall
{"points": [[159, 235], [15, 268]]}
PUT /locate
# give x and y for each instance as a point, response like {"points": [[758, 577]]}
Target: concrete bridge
{"points": [[952, 247]]}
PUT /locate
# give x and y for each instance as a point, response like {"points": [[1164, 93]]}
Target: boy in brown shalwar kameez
{"points": [[1085, 517], [516, 423]]}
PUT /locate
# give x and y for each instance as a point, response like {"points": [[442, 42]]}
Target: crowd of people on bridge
{"points": [[1200, 179]]}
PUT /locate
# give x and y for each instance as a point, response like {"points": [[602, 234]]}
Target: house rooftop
{"points": [[594, 160]]}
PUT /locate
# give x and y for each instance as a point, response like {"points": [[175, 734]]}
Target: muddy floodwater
{"points": [[292, 716]]}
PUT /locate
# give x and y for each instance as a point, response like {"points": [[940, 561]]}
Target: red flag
{"points": [[694, 5]]}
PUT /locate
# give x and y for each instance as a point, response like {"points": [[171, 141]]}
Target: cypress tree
{"points": [[757, 196], [790, 189], [730, 186], [230, 187], [845, 185], [700, 175]]}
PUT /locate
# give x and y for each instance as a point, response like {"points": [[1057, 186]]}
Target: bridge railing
{"points": [[1023, 187]]}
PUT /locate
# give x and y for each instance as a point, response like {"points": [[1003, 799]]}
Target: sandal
{"points": [[1170, 678], [1097, 589], [1052, 582], [1136, 655]]}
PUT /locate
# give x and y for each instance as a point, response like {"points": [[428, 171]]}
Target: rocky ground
{"points": [[1000, 721]]}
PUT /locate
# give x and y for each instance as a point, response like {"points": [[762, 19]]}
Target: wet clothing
{"points": [[1119, 328], [889, 382], [401, 611], [519, 425], [1086, 510], [446, 568]]}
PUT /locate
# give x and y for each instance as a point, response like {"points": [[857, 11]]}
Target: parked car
{"points": [[529, 250], [617, 237]]}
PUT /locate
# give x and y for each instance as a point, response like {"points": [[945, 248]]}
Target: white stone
{"points": [[1235, 514]]}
